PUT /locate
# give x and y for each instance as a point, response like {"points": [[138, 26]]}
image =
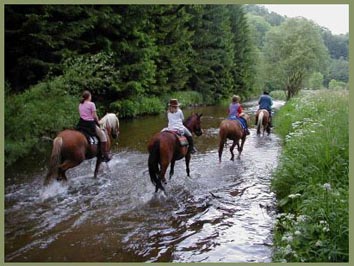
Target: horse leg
{"points": [[172, 167], [188, 158], [64, 167], [221, 147], [232, 149], [240, 148], [163, 169], [268, 129], [98, 163]]}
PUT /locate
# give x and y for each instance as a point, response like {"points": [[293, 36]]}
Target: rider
{"points": [[175, 121], [266, 102], [236, 112], [90, 121]]}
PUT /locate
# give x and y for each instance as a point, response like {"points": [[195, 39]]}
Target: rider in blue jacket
{"points": [[266, 102]]}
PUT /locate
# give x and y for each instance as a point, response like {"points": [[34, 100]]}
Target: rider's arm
{"points": [[94, 113]]}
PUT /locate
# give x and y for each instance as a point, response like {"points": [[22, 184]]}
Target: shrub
{"points": [[311, 180], [40, 111], [137, 106]]}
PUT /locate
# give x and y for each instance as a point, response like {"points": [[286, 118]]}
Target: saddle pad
{"points": [[93, 140], [183, 140]]}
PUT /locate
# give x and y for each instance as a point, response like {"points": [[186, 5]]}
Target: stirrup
{"points": [[193, 150]]}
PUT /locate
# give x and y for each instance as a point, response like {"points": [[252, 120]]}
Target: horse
{"points": [[71, 147], [263, 121], [232, 129], [164, 148]]}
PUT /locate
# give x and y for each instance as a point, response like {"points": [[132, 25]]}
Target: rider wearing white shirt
{"points": [[175, 122]]}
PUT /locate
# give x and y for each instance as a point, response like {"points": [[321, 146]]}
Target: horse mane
{"points": [[111, 120], [189, 118]]}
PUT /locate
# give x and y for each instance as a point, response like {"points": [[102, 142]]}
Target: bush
{"points": [[278, 95], [137, 106], [41, 111], [185, 98], [337, 85], [311, 181]]}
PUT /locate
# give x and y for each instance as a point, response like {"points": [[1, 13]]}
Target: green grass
{"points": [[311, 181]]}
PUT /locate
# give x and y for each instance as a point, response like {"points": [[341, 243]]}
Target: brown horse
{"points": [[71, 147], [232, 129], [262, 121], [164, 148]]}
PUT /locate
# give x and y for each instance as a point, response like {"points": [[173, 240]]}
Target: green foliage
{"points": [[338, 70], [311, 181], [315, 81], [93, 72], [185, 98], [337, 44], [292, 51], [278, 95], [41, 111], [337, 85], [137, 106]]}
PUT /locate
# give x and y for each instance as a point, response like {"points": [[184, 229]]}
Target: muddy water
{"points": [[222, 213]]}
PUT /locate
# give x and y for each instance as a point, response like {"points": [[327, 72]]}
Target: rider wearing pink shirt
{"points": [[89, 122]]}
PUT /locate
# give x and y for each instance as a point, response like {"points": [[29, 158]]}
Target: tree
{"points": [[293, 51], [316, 81], [338, 70], [244, 53], [174, 48], [213, 52]]}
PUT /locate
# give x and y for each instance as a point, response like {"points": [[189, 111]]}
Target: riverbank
{"points": [[311, 181]]}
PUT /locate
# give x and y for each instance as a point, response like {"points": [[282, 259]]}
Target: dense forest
{"points": [[133, 58]]}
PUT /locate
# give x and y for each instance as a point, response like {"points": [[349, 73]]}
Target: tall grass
{"points": [[311, 181]]}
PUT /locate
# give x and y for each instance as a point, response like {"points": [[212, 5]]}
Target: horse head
{"points": [[110, 122], [193, 124]]}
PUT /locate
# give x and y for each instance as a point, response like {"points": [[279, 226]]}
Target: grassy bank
{"points": [[311, 182]]}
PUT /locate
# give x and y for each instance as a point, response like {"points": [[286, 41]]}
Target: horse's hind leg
{"points": [[188, 158], [172, 168], [221, 147], [232, 149], [98, 163], [268, 129], [65, 166], [240, 147]]}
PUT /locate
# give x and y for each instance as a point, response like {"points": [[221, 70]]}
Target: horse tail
{"points": [[260, 121], [54, 159], [153, 163], [222, 137]]}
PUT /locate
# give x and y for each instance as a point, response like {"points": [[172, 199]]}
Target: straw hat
{"points": [[173, 103]]}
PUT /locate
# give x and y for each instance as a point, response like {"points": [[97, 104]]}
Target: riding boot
{"points": [[104, 152], [191, 147], [247, 132], [270, 122]]}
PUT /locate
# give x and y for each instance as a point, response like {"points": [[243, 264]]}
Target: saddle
{"points": [[91, 139], [182, 139]]}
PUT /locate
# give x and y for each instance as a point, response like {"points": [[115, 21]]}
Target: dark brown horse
{"points": [[232, 129], [263, 122], [164, 148], [71, 147]]}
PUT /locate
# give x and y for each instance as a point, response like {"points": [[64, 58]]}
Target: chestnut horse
{"points": [[71, 147], [232, 129], [262, 121], [164, 148]]}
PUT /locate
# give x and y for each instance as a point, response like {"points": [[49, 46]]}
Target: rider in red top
{"points": [[236, 111]]}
